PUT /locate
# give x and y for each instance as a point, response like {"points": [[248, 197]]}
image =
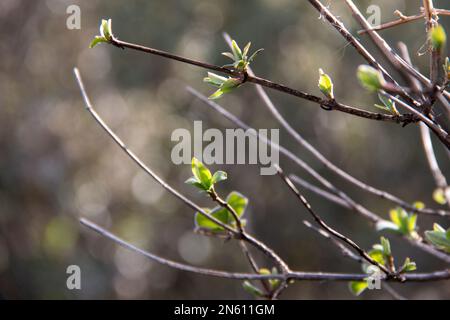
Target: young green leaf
{"points": [[193, 181], [439, 196], [245, 51], [214, 79], [357, 287], [236, 200], [439, 237], [219, 176], [201, 173], [386, 246], [236, 50], [326, 85], [370, 78], [253, 290], [388, 105], [408, 266], [97, 40], [419, 205], [438, 37]]}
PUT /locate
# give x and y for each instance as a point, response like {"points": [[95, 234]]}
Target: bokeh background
{"points": [[57, 165]]}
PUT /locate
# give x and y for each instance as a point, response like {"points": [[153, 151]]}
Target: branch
{"points": [[327, 228], [319, 156], [296, 275], [402, 20], [329, 104], [239, 235], [356, 207]]}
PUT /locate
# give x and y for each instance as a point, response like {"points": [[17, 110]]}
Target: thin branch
{"points": [[324, 194], [316, 153], [439, 178], [437, 130], [327, 228], [402, 20], [239, 235], [329, 104], [289, 154], [340, 27], [296, 275], [358, 208]]}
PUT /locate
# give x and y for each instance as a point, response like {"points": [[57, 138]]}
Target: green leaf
{"points": [[229, 84], [216, 95], [419, 205], [370, 78], [439, 196], [437, 227], [97, 40], [245, 51], [253, 290], [214, 79], [228, 55], [408, 265], [193, 181], [201, 173], [439, 239], [378, 256], [252, 57], [438, 37], [236, 50], [389, 105], [357, 287], [412, 223], [205, 223], [386, 246], [238, 202], [386, 225], [219, 176], [326, 85], [106, 29]]}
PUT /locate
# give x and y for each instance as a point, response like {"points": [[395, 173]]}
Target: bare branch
{"points": [[239, 235], [297, 275], [327, 228]]}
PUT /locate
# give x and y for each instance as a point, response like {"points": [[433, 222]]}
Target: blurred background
{"points": [[57, 165]]}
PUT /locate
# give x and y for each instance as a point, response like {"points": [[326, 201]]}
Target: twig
{"points": [[293, 275], [322, 223], [358, 208], [330, 104], [402, 20], [316, 153], [237, 234]]}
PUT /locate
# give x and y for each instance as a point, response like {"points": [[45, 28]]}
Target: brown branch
{"points": [[236, 234], [327, 228], [329, 104], [356, 207], [295, 275], [316, 153]]}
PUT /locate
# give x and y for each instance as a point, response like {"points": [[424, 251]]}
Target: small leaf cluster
{"points": [[240, 58], [401, 222], [439, 237], [204, 180], [388, 105], [381, 253], [106, 34], [224, 84]]}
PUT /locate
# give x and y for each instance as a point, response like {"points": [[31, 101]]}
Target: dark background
{"points": [[56, 165]]}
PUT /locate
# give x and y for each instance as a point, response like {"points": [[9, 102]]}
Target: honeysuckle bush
{"points": [[230, 210]]}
